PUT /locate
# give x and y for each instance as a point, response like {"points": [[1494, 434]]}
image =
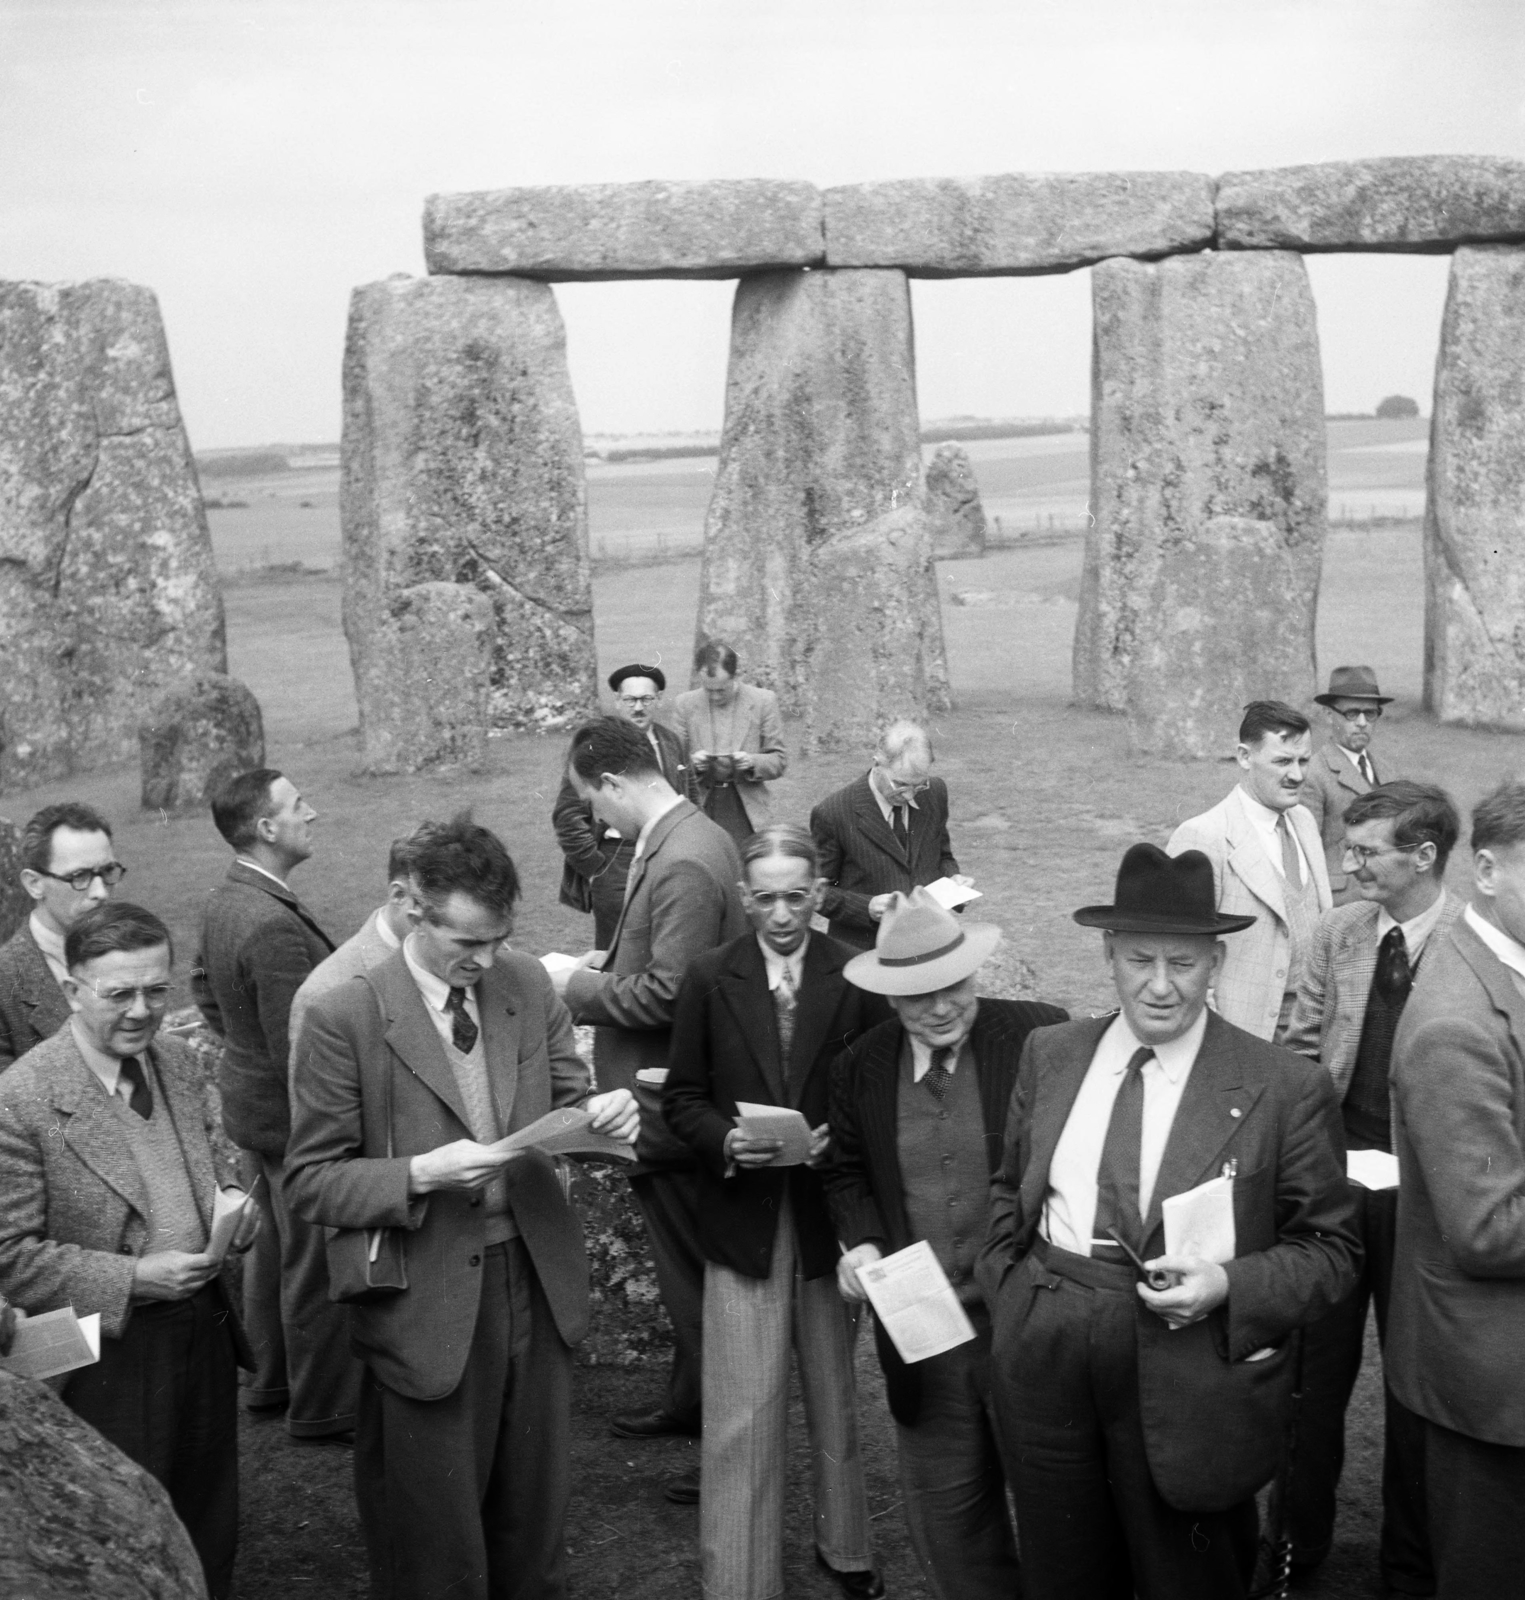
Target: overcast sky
{"points": [[252, 161]]}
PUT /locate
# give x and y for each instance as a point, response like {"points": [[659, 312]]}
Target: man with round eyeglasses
{"points": [[1343, 766], [68, 866]]}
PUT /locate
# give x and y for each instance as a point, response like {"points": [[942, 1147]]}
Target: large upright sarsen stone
{"points": [[108, 595], [1206, 402], [462, 464], [1474, 545]]}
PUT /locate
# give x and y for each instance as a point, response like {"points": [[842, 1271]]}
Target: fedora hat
{"points": [[921, 947], [1353, 683], [1157, 893]]}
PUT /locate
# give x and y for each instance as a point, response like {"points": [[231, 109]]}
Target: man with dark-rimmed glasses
{"points": [[1342, 767], [68, 865]]}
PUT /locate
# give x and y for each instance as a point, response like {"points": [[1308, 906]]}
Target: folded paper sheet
{"points": [[1372, 1169], [228, 1208], [776, 1122], [1201, 1221], [566, 1131], [53, 1342], [950, 895]]}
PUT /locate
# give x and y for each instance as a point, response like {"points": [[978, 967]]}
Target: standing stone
{"points": [[953, 504], [821, 438], [462, 464], [1206, 402], [108, 594], [15, 902], [196, 739], [1474, 544]]}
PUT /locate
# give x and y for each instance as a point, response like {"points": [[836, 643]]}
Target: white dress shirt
{"points": [[1069, 1212], [108, 1069], [436, 993], [1355, 758], [51, 944], [886, 807], [1264, 821], [777, 965], [1506, 949], [1416, 930], [921, 1057]]}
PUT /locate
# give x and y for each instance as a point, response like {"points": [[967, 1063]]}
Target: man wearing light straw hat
{"points": [[918, 1105]]}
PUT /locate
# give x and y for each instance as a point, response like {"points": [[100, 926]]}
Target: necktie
{"points": [[902, 831], [785, 999], [1291, 868], [1121, 1152], [1393, 976], [141, 1099], [938, 1076], [1366, 771], [463, 1031]]}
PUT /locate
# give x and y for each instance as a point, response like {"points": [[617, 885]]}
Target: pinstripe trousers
{"points": [[750, 1326]]}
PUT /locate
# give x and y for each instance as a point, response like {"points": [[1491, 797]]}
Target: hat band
{"points": [[926, 956]]}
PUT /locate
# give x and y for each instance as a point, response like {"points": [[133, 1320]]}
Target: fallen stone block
{"points": [[196, 739]]}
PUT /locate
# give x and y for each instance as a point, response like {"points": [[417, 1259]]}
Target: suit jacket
{"points": [[258, 944], [1254, 975], [681, 900], [358, 954], [1456, 1323], [1336, 983], [862, 1176], [760, 730], [861, 857], [587, 853], [1214, 1423], [1332, 783], [73, 1206], [725, 1048], [371, 1043], [32, 1006]]}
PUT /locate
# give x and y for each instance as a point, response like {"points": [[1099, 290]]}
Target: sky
{"points": [[252, 161]]}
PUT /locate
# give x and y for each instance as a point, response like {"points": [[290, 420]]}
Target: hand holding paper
{"points": [[915, 1303], [781, 1123], [53, 1342]]}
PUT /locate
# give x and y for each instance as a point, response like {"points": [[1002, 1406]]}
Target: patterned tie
{"points": [[141, 1099], [463, 1031], [1393, 977], [938, 1076], [1290, 866], [785, 1000], [1121, 1152]]}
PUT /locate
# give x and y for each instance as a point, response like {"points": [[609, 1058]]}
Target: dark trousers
{"points": [[166, 1394], [669, 1203], [608, 890], [953, 1481], [299, 1336], [1092, 1524], [1477, 1515], [1332, 1349], [465, 1498]]}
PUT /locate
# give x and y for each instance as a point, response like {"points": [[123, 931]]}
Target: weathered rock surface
{"points": [[1220, 639], [582, 232], [953, 504], [1206, 402], [197, 738], [821, 438], [81, 1521], [462, 464], [107, 588], [1474, 557], [15, 902], [1406, 203], [1016, 222]]}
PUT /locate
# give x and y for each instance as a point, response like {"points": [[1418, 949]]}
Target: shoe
{"points": [[683, 1489], [656, 1424], [859, 1585]]}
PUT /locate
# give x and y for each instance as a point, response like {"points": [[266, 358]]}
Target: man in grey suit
{"points": [[68, 866], [682, 898], [1342, 766], [1456, 1324], [1356, 982]]}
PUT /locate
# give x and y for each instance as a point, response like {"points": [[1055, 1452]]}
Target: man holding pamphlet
{"points": [[917, 1109], [1170, 1209]]}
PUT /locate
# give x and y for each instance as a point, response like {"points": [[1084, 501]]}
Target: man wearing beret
{"points": [[1144, 1394], [597, 858]]}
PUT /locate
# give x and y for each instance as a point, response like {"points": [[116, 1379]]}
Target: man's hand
{"points": [[879, 905], [589, 961], [11, 1318], [616, 1114], [746, 1152], [864, 1255], [743, 760], [962, 879], [171, 1274], [465, 1164], [1200, 1286], [700, 759], [820, 1145]]}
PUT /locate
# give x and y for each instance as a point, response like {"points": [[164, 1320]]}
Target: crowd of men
{"points": [[1300, 1000]]}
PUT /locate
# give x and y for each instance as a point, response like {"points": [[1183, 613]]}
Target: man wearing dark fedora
{"points": [[1342, 767], [917, 1107], [597, 859], [1143, 1396]]}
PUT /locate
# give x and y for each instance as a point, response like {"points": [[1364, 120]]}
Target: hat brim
{"points": [[1112, 920], [1329, 699], [867, 971]]}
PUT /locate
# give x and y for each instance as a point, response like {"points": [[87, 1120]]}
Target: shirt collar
{"points": [[254, 866], [436, 991], [1175, 1057], [1416, 930], [384, 931], [1261, 815], [51, 944], [886, 807], [1499, 942], [645, 833], [108, 1069], [775, 963], [921, 1057], [1352, 756]]}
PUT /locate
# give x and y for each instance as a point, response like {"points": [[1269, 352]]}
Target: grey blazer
{"points": [[32, 1006], [1332, 783], [759, 730]]}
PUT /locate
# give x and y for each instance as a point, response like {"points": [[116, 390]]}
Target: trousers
{"points": [[669, 1208]]}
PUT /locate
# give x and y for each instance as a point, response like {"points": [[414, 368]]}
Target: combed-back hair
{"points": [[610, 744], [1422, 813], [1271, 716], [462, 857], [242, 801], [1498, 819], [113, 925], [715, 655], [400, 856], [37, 835], [903, 736], [781, 839]]}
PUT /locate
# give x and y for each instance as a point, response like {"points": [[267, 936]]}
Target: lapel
{"points": [[743, 985], [250, 878], [671, 749], [1053, 1100], [1343, 773], [657, 838], [821, 989], [871, 823], [1495, 978], [500, 1040], [92, 1131], [183, 1100], [1247, 856], [411, 1035], [38, 985], [878, 1113]]}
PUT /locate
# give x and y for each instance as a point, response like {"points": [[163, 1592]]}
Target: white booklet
{"points": [[53, 1342], [1201, 1221], [912, 1297], [776, 1122], [557, 962], [1372, 1169], [228, 1208], [950, 895]]}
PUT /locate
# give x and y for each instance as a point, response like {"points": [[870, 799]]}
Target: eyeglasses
{"points": [[155, 996], [766, 899], [1361, 853], [1355, 713], [111, 875], [638, 699]]}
